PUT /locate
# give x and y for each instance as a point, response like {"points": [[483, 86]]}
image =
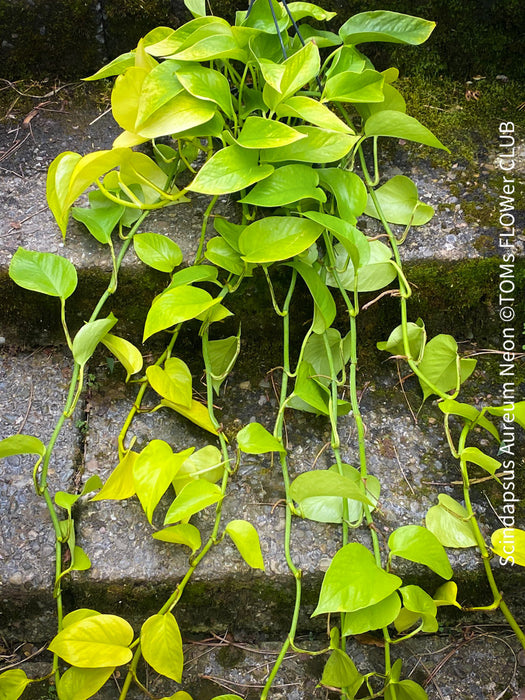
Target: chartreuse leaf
{"points": [[450, 523], [115, 67], [340, 672], [515, 412], [354, 581], [399, 125], [226, 697], [418, 544], [173, 382], [416, 335], [476, 456], [351, 238], [101, 217], [347, 86], [398, 199], [258, 132], [349, 191], [324, 304], [383, 25], [222, 355], [89, 336], [285, 185], [246, 539], [277, 238], [315, 353], [229, 170], [206, 463], [181, 534], [441, 363], [299, 10], [510, 543], [161, 645], [196, 273], [417, 605], [447, 595], [45, 273], [261, 16], [197, 413], [254, 439], [220, 253], [197, 9], [95, 642], [194, 497], [125, 352], [182, 694], [57, 185], [326, 482], [157, 251], [405, 690], [314, 112], [373, 617], [314, 396], [13, 683], [207, 84], [319, 146], [77, 615], [153, 472], [120, 483], [376, 274], [176, 305], [471, 414], [82, 683], [21, 445]]}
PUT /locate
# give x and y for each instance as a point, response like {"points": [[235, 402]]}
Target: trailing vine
{"points": [[278, 115]]}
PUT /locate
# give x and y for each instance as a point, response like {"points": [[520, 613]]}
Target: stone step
{"points": [[452, 262], [132, 574]]}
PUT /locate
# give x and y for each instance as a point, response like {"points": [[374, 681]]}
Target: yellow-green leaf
{"points": [[246, 539], [161, 645]]}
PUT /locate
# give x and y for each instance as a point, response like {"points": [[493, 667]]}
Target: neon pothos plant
{"points": [[277, 114]]}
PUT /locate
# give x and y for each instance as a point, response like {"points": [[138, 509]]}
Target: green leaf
{"points": [[324, 304], [212, 47], [383, 25], [173, 382], [319, 146], [176, 305], [221, 253], [476, 456], [259, 132], [299, 69], [515, 412], [222, 355], [326, 482], [285, 185], [373, 617], [440, 365], [89, 336], [314, 394], [471, 414], [418, 602], [115, 67], [120, 483], [447, 595], [206, 463], [246, 539], [21, 445], [13, 683], [450, 523], [348, 86], [181, 534], [125, 352], [349, 191], [354, 581], [315, 353], [340, 672], [229, 170], [400, 126], [153, 472], [510, 543], [45, 273], [101, 217], [197, 9], [376, 274], [398, 199], [299, 10], [314, 112], [197, 413], [207, 84], [157, 251], [254, 439], [195, 273], [161, 645], [352, 239], [416, 335], [277, 238], [405, 690], [82, 683], [194, 497], [95, 642], [418, 544]]}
